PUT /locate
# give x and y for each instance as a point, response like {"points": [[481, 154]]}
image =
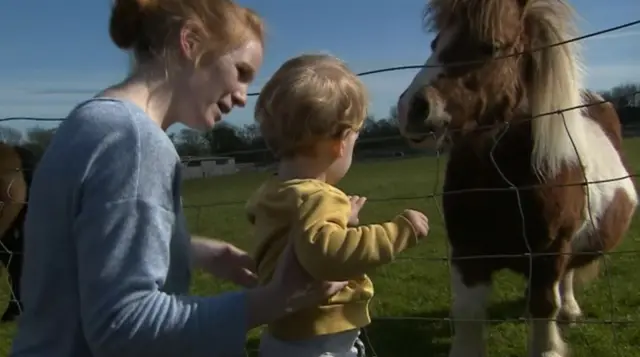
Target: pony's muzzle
{"points": [[425, 121], [420, 114]]}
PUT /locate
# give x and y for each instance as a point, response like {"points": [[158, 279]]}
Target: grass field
{"points": [[412, 294]]}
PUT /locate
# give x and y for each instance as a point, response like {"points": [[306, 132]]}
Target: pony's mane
{"points": [[556, 72], [484, 18], [557, 82]]}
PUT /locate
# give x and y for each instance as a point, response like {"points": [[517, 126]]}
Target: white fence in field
{"points": [[210, 166]]}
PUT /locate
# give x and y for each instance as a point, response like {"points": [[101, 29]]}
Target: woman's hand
{"points": [[290, 290], [224, 261], [297, 287]]}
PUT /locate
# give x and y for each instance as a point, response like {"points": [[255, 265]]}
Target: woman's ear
{"points": [[187, 42]]}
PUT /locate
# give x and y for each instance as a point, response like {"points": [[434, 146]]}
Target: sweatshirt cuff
{"points": [[229, 336], [406, 227]]}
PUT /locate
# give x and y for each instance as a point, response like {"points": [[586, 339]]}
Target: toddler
{"points": [[309, 114]]}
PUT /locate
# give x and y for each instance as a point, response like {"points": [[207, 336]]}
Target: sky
{"points": [[58, 53]]}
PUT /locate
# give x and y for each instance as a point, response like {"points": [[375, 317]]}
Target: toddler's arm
{"points": [[329, 250]]}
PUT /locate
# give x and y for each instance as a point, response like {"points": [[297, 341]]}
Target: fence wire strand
{"points": [[407, 67], [438, 193]]}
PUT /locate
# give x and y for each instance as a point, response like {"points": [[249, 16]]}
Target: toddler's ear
{"points": [[340, 145]]}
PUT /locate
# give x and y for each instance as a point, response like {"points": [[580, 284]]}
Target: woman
{"points": [[107, 254]]}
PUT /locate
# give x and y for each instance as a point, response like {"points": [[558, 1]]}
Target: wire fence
{"points": [[437, 193]]}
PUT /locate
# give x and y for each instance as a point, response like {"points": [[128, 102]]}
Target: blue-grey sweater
{"points": [[107, 252]]}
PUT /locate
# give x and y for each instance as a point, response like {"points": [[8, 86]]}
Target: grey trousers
{"points": [[343, 344]]}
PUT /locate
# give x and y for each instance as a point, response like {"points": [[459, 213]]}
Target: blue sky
{"points": [[57, 53]]}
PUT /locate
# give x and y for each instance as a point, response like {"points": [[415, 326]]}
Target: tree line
{"points": [[379, 136]]}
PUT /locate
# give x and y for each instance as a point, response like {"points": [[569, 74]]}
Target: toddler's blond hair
{"points": [[310, 98]]}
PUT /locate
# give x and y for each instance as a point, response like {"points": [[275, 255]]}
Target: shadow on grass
{"points": [[421, 334], [425, 334]]}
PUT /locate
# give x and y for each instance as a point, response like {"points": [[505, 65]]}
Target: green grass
{"points": [[417, 288]]}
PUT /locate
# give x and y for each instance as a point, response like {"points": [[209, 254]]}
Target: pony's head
{"points": [[476, 74]]}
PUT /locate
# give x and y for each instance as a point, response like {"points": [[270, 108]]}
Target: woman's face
{"points": [[215, 89]]}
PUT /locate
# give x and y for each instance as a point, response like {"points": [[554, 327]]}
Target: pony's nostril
{"points": [[418, 113], [421, 104]]}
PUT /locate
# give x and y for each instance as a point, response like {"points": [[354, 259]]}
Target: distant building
{"points": [[207, 166]]}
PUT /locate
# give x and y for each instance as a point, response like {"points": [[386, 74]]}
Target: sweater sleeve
{"points": [[329, 250], [122, 234]]}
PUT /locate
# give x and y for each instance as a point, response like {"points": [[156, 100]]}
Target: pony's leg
{"points": [[544, 307], [470, 297], [570, 310]]}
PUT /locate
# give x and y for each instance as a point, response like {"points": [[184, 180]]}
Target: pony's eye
{"points": [[488, 49]]}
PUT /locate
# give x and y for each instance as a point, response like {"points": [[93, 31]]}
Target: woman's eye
{"points": [[244, 74]]}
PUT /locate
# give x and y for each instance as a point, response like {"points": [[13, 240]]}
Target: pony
{"points": [[503, 89], [16, 167]]}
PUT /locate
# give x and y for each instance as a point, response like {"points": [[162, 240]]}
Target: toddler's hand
{"points": [[356, 205], [419, 221]]}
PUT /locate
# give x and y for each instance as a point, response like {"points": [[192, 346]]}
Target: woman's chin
{"points": [[209, 121], [201, 124]]}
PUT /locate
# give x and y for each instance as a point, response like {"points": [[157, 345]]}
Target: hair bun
{"points": [[126, 24]]}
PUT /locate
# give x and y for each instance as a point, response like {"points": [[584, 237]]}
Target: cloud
{"points": [[64, 91], [622, 69], [58, 83], [609, 75]]}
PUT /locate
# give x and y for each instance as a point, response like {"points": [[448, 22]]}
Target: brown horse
{"points": [[16, 166], [518, 174]]}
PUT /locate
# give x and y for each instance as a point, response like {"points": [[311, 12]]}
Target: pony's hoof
{"points": [[552, 354], [556, 348], [549, 354]]}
